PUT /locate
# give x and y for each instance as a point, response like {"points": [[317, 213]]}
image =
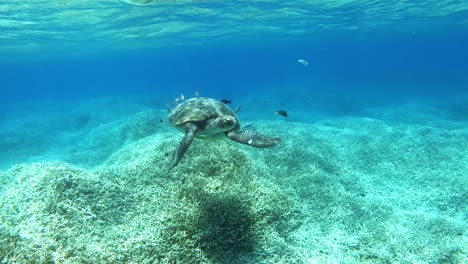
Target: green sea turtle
{"points": [[209, 118]]}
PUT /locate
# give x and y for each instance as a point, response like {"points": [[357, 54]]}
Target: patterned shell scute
{"points": [[198, 110]]}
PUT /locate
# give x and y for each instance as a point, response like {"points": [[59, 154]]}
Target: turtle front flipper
{"points": [[253, 139], [190, 132]]}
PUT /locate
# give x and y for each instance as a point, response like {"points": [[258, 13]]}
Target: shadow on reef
{"points": [[226, 228]]}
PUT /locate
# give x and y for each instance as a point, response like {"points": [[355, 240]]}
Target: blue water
{"points": [[394, 67], [86, 49], [372, 167]]}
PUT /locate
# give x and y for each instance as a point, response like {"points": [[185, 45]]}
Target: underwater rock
{"points": [[222, 212]]}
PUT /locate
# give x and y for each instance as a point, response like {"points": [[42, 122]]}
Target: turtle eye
{"points": [[226, 122]]}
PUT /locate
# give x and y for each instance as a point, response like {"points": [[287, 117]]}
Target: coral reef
{"points": [[128, 210]]}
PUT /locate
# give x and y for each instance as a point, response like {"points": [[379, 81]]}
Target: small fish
{"points": [[237, 109], [248, 125], [161, 120], [168, 108], [226, 101], [281, 112], [197, 94], [303, 62], [182, 97]]}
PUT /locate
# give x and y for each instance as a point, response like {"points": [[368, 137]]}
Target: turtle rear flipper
{"points": [[190, 132], [253, 139]]}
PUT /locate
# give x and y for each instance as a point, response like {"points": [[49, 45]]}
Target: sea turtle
{"points": [[209, 118]]}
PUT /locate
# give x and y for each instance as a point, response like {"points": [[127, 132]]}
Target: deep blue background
{"points": [[389, 65]]}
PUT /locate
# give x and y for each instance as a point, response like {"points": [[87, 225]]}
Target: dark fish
{"points": [[226, 101], [237, 109], [161, 120], [168, 108], [281, 112]]}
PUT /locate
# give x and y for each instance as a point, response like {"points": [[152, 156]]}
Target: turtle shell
{"points": [[199, 110]]}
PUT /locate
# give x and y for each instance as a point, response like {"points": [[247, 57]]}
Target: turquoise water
{"points": [[372, 166]]}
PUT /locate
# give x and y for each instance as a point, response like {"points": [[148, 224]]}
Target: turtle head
{"points": [[226, 123], [220, 124]]}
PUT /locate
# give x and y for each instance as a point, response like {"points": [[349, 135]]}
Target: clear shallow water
{"points": [[233, 48], [372, 167], [65, 25]]}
